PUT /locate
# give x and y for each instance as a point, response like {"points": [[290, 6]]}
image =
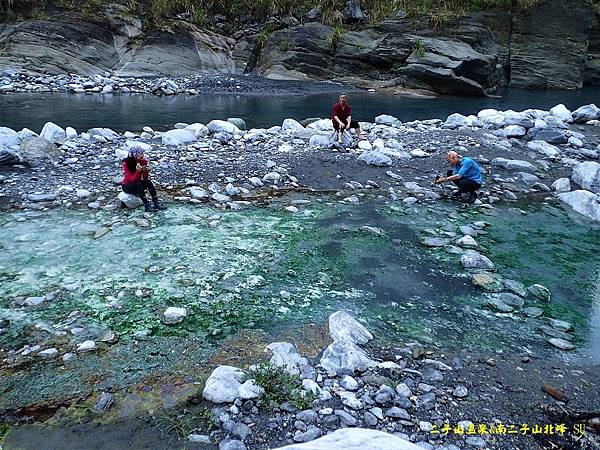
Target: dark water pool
{"points": [[132, 112]]}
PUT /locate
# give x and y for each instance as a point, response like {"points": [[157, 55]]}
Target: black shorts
{"points": [[353, 124]]}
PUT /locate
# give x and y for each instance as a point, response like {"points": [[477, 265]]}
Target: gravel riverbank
{"points": [[410, 390]]}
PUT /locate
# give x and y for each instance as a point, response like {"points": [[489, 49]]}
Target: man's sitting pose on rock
{"points": [[342, 118], [465, 173]]}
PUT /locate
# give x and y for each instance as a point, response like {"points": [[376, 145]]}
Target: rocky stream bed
{"points": [[373, 299]]}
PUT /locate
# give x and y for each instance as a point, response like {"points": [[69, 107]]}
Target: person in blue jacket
{"points": [[465, 174]]}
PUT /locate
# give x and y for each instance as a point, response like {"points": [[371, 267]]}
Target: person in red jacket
{"points": [[136, 179], [342, 118]]}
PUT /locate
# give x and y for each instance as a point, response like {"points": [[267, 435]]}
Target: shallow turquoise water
{"points": [[266, 269]]}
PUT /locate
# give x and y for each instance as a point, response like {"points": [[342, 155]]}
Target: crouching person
{"points": [[465, 174], [137, 179]]}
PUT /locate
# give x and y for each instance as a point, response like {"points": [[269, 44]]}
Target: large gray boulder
{"points": [[375, 158], [586, 113], [549, 135], [587, 175], [544, 148], [35, 148], [514, 164], [355, 439], [585, 203]]}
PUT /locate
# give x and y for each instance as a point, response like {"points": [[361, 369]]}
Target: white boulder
{"points": [[174, 315], [543, 148], [375, 158], [561, 185], [221, 126], [286, 356], [291, 125], [343, 356], [9, 138], [585, 203], [587, 175], [53, 133], [514, 164], [390, 121], [586, 113], [130, 200], [200, 130], [178, 137], [355, 439], [560, 111], [223, 384], [106, 133]]}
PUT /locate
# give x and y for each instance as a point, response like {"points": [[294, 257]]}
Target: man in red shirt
{"points": [[342, 118]]}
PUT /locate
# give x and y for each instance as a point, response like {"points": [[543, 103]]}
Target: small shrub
{"points": [[336, 36], [419, 48], [280, 387]]}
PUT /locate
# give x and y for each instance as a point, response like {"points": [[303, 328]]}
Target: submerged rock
{"points": [[286, 356], [173, 315], [345, 356], [343, 327], [539, 291], [475, 260]]}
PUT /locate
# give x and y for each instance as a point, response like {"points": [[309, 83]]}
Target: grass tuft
{"points": [[280, 387]]}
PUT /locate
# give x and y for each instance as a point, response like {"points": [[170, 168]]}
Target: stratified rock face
{"points": [[544, 47], [591, 76], [549, 45], [177, 54], [85, 48], [57, 47]]}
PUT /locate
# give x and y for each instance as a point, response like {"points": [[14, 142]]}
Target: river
{"points": [[123, 112]]}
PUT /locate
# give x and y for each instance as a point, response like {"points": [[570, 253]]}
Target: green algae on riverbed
{"points": [[256, 269]]}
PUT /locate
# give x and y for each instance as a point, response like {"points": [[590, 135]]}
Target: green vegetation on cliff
{"points": [[437, 12]]}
